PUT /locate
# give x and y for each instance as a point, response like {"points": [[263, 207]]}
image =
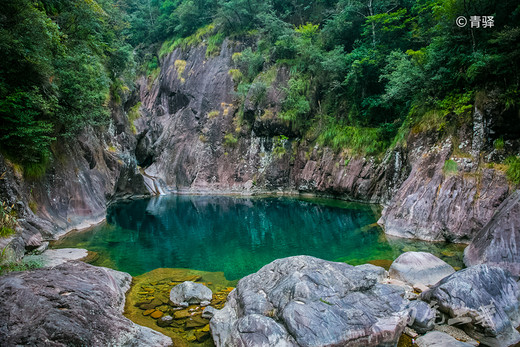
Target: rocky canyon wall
{"points": [[190, 136]]}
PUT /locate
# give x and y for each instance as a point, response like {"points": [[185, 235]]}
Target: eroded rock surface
{"points": [[307, 301], [74, 304], [498, 243], [419, 268], [484, 299]]}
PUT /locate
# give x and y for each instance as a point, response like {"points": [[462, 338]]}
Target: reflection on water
{"points": [[239, 235]]}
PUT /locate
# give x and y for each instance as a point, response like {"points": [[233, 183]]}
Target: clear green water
{"points": [[239, 235]]}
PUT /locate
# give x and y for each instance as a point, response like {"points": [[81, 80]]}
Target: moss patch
{"points": [[148, 301]]}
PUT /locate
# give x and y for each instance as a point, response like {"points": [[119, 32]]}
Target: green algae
{"points": [[148, 300]]}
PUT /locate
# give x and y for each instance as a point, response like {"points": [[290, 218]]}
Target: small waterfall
{"points": [[152, 183]]}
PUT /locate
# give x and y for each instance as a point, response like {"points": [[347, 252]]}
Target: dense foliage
{"points": [[59, 60], [359, 69]]}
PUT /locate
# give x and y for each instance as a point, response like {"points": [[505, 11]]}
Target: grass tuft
{"points": [[230, 140], [513, 170], [450, 167]]}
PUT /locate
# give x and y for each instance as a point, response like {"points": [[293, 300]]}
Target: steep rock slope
{"points": [[192, 138], [82, 177], [497, 243]]}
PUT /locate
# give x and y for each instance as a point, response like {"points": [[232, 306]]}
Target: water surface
{"points": [[238, 235]]}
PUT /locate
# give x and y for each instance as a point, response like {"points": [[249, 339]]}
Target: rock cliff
{"points": [[81, 178], [193, 134]]}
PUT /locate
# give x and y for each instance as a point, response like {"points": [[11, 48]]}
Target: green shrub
{"points": [[450, 167], [499, 144], [279, 145], [133, 115], [214, 44], [230, 140], [22, 265], [236, 75], [213, 114], [513, 171], [7, 220], [34, 171], [360, 140]]}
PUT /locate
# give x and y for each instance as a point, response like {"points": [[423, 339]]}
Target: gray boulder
{"points": [[419, 268], [307, 301], [422, 316], [497, 243], [74, 304], [188, 293], [439, 339], [483, 300]]}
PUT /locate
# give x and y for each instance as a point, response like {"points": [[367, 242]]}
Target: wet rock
{"points": [[73, 304], [181, 314], [196, 321], [497, 243], [422, 316], [202, 336], [209, 312], [439, 339], [165, 321], [416, 268], [483, 300], [156, 314], [189, 292], [151, 305], [310, 302]]}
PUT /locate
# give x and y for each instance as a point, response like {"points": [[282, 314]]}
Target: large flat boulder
{"points": [[419, 268], [55, 257], [483, 300], [307, 301], [497, 243], [73, 304]]}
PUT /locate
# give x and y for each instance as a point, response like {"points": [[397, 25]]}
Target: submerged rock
{"points": [[497, 243], [419, 268], [189, 292], [311, 302], [483, 300], [74, 304], [165, 321]]}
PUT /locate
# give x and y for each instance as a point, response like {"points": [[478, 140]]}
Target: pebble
{"points": [[156, 314], [148, 312]]}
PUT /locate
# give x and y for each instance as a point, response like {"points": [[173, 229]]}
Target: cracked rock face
{"points": [[484, 299], [305, 301], [74, 304], [497, 243]]}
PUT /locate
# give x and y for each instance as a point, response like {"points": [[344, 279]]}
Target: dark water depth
{"points": [[239, 235]]}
